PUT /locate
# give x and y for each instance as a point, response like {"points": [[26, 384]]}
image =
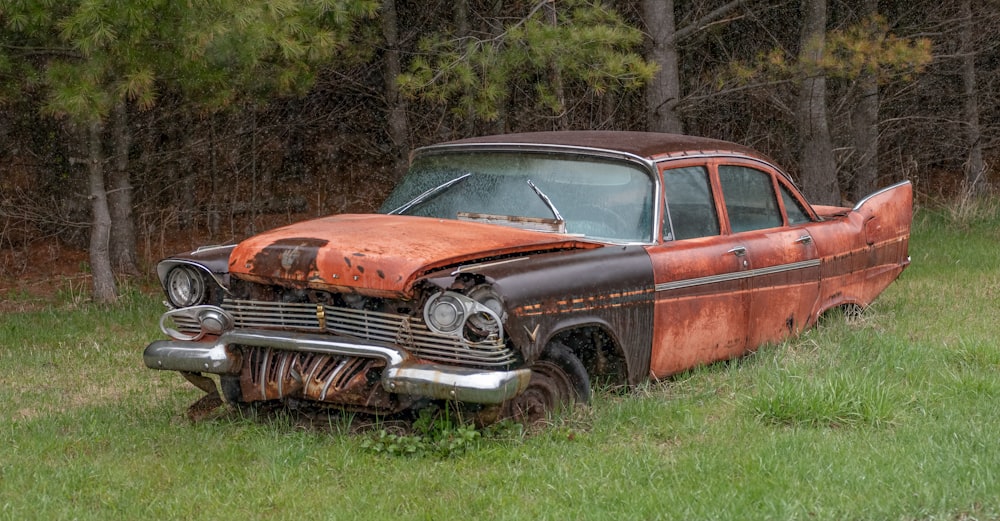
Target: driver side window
{"points": [[796, 215]]}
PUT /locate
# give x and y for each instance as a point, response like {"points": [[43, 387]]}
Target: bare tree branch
{"points": [[706, 21]]}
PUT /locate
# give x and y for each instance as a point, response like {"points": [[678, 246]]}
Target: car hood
{"points": [[380, 255]]}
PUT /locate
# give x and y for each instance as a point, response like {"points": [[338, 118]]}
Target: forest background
{"points": [[130, 129]]}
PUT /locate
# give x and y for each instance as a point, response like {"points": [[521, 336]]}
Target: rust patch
{"points": [[291, 258], [403, 247], [346, 381]]}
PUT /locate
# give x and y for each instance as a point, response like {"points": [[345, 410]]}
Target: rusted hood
{"points": [[379, 254]]}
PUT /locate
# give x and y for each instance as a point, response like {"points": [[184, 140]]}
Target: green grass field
{"points": [[894, 415]]}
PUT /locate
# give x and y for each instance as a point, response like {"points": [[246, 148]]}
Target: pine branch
{"points": [[44, 51]]}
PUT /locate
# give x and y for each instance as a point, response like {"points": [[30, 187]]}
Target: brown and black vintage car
{"points": [[509, 272]]}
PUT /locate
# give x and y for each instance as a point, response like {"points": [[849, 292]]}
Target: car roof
{"points": [[649, 145]]}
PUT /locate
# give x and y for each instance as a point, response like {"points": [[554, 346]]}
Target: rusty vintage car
{"points": [[510, 272]]}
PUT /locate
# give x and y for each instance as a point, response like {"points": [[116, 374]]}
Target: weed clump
{"points": [[436, 432]]}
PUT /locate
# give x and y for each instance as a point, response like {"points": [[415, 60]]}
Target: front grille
{"points": [[272, 375], [186, 323], [402, 330]]}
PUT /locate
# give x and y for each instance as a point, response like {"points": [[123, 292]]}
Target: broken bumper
{"points": [[402, 375]]}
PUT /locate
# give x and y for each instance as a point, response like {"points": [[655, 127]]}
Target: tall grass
{"points": [[893, 415]]}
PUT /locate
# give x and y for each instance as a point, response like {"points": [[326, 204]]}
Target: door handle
{"points": [[738, 251], [805, 239]]}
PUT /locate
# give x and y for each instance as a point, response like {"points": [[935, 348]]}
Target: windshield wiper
{"points": [[430, 193], [548, 202]]}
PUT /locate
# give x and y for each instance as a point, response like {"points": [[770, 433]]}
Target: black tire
{"points": [[230, 386], [558, 382]]}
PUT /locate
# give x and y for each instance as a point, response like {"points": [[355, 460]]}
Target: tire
{"points": [[558, 382], [230, 386]]}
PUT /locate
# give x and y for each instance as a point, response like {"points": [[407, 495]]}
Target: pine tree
{"points": [[546, 50], [85, 60]]}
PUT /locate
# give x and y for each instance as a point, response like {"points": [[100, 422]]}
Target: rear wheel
{"points": [[558, 382]]}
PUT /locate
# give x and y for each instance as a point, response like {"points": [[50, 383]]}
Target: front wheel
{"points": [[558, 382], [230, 386]]}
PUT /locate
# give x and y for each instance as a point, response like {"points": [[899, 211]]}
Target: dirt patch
{"points": [[38, 274], [46, 272], [26, 414]]}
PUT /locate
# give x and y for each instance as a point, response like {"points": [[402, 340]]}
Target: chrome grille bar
{"points": [[401, 330], [252, 314]]}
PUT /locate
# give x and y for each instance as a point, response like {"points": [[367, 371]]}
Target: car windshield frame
{"points": [[606, 197]]}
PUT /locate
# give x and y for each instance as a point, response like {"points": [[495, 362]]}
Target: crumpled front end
{"points": [[332, 369], [272, 342]]}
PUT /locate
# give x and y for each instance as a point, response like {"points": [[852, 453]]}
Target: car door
{"points": [[702, 296], [783, 267]]}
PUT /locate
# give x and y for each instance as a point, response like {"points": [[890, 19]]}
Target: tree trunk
{"points": [[183, 172], [864, 126], [974, 182], [555, 75], [104, 289], [819, 172], [214, 214], [664, 91], [122, 245], [499, 125], [392, 66], [462, 30]]}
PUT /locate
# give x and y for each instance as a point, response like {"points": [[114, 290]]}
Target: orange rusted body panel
{"points": [[378, 255], [700, 312], [864, 249], [720, 297]]}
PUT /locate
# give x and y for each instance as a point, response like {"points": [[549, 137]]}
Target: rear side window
{"points": [[690, 207], [796, 214], [750, 198]]}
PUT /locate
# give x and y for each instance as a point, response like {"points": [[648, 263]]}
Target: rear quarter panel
{"points": [[863, 250]]}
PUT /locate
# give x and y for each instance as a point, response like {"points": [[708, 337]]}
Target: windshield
{"points": [[596, 197]]}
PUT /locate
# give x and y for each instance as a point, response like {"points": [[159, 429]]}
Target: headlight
{"points": [[483, 323], [475, 319], [445, 313], [185, 286]]}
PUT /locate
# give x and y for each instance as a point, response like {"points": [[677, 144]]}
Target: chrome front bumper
{"points": [[402, 375]]}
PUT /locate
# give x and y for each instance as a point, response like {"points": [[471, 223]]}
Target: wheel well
{"points": [[848, 309], [601, 356]]}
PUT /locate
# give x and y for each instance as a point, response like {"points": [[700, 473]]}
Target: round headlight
{"points": [[489, 313], [185, 287], [444, 313]]}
